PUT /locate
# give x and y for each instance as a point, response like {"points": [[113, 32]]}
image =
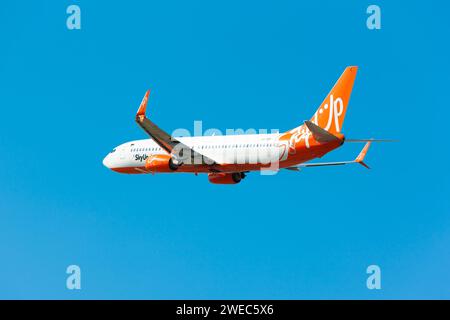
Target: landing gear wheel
{"points": [[236, 176]]}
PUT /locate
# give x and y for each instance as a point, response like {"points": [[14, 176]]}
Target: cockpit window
{"points": [[114, 150]]}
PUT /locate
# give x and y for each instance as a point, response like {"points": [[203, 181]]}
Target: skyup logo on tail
{"points": [[335, 109], [329, 116]]}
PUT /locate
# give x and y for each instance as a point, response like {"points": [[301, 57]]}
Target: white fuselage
{"points": [[235, 149]]}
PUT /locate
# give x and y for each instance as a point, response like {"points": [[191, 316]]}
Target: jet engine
{"points": [[226, 178], [160, 163]]}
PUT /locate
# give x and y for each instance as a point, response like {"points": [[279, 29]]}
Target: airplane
{"points": [[228, 159]]}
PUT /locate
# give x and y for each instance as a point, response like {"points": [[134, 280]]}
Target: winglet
{"points": [[143, 107], [360, 158]]}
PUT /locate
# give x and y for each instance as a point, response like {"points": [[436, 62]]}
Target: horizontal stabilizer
{"points": [[359, 159], [370, 140]]}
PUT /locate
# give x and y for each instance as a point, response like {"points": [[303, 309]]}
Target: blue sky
{"points": [[68, 97]]}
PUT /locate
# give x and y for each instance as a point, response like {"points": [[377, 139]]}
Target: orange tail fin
{"points": [[331, 113]]}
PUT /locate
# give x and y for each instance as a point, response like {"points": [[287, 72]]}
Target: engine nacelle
{"points": [[160, 163], [225, 178]]}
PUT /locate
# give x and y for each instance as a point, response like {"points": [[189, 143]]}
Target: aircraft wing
{"points": [[179, 150], [359, 159]]}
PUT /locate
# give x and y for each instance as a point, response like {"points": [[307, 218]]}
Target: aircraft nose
{"points": [[107, 161]]}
